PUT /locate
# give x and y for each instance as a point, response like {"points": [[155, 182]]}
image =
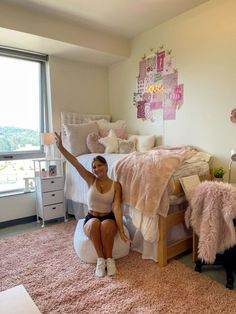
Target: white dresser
{"points": [[49, 179]]}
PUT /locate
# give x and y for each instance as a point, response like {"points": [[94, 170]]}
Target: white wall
{"points": [[75, 86], [17, 206], [203, 42], [79, 87]]}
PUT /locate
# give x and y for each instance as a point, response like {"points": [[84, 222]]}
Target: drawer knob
{"points": [[53, 194], [52, 181], [53, 207]]}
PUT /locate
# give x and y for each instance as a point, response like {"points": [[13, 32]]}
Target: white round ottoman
{"points": [[86, 251]]}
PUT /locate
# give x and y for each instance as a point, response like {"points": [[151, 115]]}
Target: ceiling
{"points": [[127, 18], [114, 20]]}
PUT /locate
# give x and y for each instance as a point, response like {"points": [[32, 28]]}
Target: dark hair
{"points": [[101, 159]]}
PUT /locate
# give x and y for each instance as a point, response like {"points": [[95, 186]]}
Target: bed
{"points": [[157, 235]]}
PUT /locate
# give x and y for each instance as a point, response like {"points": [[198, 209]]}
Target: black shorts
{"points": [[101, 218]]}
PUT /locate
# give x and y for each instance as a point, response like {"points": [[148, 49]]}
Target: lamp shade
{"points": [[233, 154], [47, 138]]}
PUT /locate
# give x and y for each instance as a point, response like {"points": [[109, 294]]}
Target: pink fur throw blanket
{"points": [[210, 214], [146, 178]]}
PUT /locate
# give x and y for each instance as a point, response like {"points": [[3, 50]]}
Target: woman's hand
{"points": [[123, 236]]}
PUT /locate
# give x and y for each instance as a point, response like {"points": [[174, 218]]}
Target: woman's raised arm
{"points": [[85, 174]]}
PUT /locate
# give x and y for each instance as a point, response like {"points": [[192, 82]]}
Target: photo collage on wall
{"points": [[158, 94]]}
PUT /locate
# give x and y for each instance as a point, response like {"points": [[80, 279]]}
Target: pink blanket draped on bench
{"points": [[210, 214], [146, 178]]}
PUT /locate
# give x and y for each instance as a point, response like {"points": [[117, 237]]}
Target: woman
{"points": [[104, 209]]}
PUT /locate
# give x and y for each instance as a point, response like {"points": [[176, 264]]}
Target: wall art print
{"points": [[158, 93]]}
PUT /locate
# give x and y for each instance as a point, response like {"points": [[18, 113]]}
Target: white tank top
{"points": [[100, 202]]}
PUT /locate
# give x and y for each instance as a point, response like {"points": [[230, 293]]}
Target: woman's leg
{"points": [[108, 231], [92, 229]]}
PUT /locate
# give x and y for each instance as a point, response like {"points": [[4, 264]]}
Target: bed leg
{"points": [[162, 244], [195, 246]]}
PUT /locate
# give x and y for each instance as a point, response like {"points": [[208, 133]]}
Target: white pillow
{"points": [[110, 142], [104, 124], [143, 142], [75, 136], [126, 146]]}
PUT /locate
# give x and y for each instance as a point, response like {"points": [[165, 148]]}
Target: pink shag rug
{"points": [[44, 261]]}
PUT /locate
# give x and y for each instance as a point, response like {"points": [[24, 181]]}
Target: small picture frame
{"points": [[52, 170]]}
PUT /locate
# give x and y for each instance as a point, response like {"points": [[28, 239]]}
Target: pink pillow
{"points": [[120, 133], [93, 145]]}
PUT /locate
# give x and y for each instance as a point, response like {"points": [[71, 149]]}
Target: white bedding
{"points": [[144, 229]]}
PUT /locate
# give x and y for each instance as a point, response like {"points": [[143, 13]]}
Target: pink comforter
{"points": [[146, 177]]}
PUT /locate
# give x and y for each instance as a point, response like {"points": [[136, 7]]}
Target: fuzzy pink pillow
{"points": [[120, 133], [93, 145]]}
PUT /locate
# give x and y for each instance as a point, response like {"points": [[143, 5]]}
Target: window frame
{"points": [[42, 59]]}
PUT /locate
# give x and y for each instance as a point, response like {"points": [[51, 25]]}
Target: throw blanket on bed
{"points": [[211, 214], [146, 178]]}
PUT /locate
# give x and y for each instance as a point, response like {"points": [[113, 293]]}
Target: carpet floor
{"points": [[44, 261]]}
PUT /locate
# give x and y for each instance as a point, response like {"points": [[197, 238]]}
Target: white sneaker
{"points": [[101, 267], [111, 266]]}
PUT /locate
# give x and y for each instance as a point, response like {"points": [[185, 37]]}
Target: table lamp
{"points": [[47, 140], [232, 159]]}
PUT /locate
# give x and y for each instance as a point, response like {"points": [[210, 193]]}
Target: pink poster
{"points": [[167, 100], [141, 110], [136, 98], [140, 87], [142, 69], [147, 97], [170, 80], [151, 64], [157, 77], [160, 61], [169, 65], [155, 105], [178, 94], [169, 113], [157, 97], [148, 112]]}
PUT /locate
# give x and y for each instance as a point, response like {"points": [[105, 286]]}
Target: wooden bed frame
{"points": [[167, 251]]}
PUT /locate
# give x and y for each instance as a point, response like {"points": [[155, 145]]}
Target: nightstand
{"points": [[49, 183]]}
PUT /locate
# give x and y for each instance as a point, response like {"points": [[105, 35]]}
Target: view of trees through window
{"points": [[20, 103], [17, 138]]}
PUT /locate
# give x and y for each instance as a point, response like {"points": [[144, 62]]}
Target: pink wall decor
{"points": [[158, 92], [160, 56]]}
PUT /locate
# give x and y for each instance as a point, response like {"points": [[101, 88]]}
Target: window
{"points": [[24, 115]]}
